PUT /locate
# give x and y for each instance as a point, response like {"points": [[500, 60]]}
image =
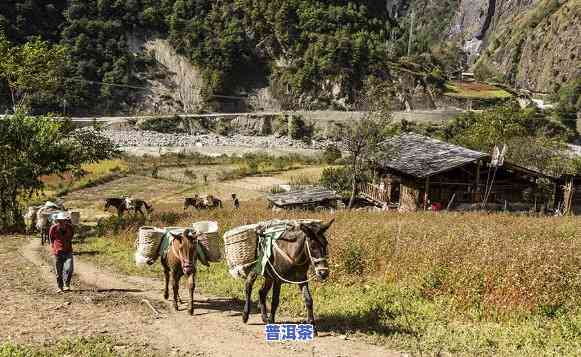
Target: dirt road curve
{"points": [[109, 304]]}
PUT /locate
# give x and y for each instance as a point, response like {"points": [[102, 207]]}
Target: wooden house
{"points": [[306, 199], [418, 172]]}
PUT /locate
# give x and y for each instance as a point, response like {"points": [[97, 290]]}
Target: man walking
{"points": [[61, 240]]}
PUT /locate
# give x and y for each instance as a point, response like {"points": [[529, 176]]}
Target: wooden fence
{"points": [[374, 192]]}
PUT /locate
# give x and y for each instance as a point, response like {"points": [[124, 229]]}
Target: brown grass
{"points": [[495, 263]]}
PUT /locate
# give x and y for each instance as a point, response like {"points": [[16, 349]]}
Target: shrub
{"points": [[281, 125], [299, 129], [162, 125], [337, 179], [331, 154]]}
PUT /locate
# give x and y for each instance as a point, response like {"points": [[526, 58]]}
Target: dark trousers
{"points": [[64, 268]]}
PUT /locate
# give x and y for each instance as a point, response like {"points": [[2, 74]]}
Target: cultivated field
{"points": [[465, 284]]}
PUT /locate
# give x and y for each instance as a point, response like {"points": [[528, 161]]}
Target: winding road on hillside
{"points": [[438, 115]]}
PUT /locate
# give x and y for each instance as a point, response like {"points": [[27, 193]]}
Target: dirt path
{"points": [[106, 302]]}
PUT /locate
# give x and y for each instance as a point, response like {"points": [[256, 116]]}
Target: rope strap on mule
{"points": [[313, 262], [290, 281]]}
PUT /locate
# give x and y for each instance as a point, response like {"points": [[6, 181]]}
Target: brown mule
{"points": [[208, 202], [121, 205], [180, 260], [298, 249], [195, 202]]}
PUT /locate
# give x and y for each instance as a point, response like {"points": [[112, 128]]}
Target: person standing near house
{"points": [[235, 201], [61, 240]]}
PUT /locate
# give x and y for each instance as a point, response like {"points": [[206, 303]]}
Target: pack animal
{"points": [[208, 202], [180, 260], [195, 202], [299, 248], [121, 205]]}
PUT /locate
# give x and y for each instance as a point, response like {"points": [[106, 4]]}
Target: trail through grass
{"points": [[463, 283]]}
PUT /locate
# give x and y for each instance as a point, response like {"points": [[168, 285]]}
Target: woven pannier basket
{"points": [[75, 218], [148, 242], [208, 237], [240, 249]]}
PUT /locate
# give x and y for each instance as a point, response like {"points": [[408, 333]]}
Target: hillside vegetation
{"points": [[310, 53]]}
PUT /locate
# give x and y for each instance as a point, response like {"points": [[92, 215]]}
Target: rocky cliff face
{"points": [[534, 44], [540, 49]]}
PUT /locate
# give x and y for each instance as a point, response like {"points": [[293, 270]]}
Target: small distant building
{"points": [[305, 199], [418, 172], [467, 77]]}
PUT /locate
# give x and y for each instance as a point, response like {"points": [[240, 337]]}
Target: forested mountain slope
{"points": [[308, 53]]}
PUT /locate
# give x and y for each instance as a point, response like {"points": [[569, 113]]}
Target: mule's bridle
{"points": [[314, 262], [179, 255]]}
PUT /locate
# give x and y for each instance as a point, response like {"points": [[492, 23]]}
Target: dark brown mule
{"points": [[213, 202], [180, 260], [121, 205], [195, 202], [298, 249], [209, 202]]}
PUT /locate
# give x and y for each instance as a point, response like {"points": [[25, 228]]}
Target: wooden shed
{"points": [[419, 172], [306, 199]]}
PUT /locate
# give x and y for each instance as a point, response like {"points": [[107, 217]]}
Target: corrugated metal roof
{"points": [[422, 156]]}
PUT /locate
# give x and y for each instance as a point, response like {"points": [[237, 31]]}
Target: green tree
{"points": [[362, 138], [569, 103], [29, 69], [35, 146], [533, 140]]}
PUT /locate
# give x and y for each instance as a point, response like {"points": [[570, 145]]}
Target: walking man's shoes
{"points": [[67, 288], [59, 291]]}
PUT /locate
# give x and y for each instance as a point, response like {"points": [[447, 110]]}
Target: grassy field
{"points": [[467, 284], [475, 90], [94, 174], [460, 283], [82, 347]]}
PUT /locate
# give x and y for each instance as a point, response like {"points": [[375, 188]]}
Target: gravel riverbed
{"points": [[135, 138]]}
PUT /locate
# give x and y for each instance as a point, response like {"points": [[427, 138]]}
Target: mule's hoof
{"points": [[166, 296], [192, 312], [245, 318], [265, 319]]}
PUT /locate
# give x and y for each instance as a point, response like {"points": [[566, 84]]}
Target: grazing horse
{"points": [[212, 202], [178, 260], [121, 205], [208, 202], [195, 202], [299, 248]]}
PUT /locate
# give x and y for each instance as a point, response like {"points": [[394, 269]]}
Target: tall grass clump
{"points": [[494, 263]]}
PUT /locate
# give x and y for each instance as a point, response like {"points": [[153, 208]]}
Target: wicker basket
{"points": [[240, 249], [208, 237], [75, 217], [148, 243], [43, 217]]}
